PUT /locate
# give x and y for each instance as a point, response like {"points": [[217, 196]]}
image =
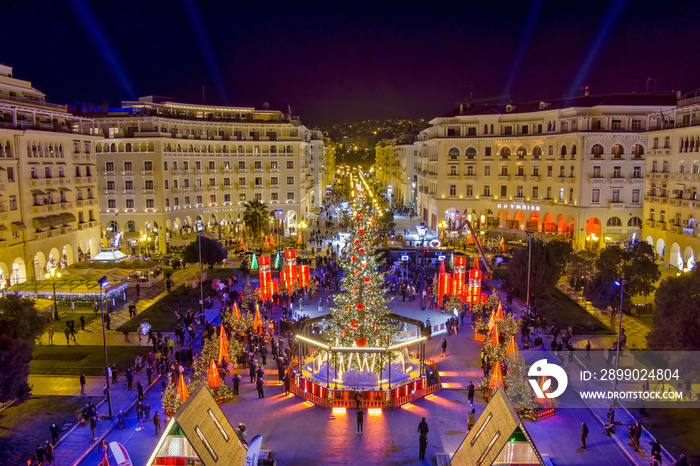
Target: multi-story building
{"points": [[573, 168], [397, 167], [169, 167], [672, 184], [48, 184]]}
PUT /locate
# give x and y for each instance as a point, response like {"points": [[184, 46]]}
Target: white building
{"points": [[168, 167], [48, 184], [573, 168]]}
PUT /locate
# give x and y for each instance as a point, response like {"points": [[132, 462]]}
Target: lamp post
{"points": [[279, 227], [621, 283], [302, 227], [104, 283], [529, 262], [52, 274], [201, 287]]}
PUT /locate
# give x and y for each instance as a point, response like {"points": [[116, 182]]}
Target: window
{"points": [[227, 198], [241, 197], [616, 125], [635, 196], [128, 185], [571, 172], [504, 191], [571, 194], [537, 152], [549, 192], [518, 191], [174, 165], [535, 192], [616, 195], [185, 165], [550, 150], [505, 152], [470, 170], [241, 165], [241, 181], [636, 125], [198, 165], [110, 186], [212, 198], [128, 166], [521, 152], [258, 196], [148, 184], [656, 143], [487, 151], [521, 171], [549, 170], [561, 194], [13, 202], [595, 195], [167, 202], [212, 181], [470, 190], [290, 164], [471, 153], [487, 170], [487, 190], [47, 172], [258, 165], [187, 200], [453, 190], [508, 130], [258, 181], [290, 196], [614, 222], [109, 166], [535, 171], [504, 170], [148, 165], [165, 165], [273, 165], [129, 203], [617, 171], [199, 199], [453, 170], [150, 203], [290, 180], [561, 171], [186, 183], [212, 165], [273, 181], [112, 203], [177, 202], [274, 196], [453, 153], [32, 173]]}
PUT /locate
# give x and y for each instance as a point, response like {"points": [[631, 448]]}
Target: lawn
{"points": [[23, 426], [161, 315], [556, 305], [72, 360], [676, 429]]}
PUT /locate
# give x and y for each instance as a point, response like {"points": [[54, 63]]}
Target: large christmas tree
{"points": [[361, 318]]}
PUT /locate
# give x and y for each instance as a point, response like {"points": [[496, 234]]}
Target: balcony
{"points": [[617, 180], [108, 173], [520, 177], [636, 180], [503, 177], [147, 172], [40, 209], [616, 204], [677, 229], [149, 191], [689, 231]]}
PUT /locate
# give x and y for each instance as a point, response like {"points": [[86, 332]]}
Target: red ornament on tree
{"points": [[363, 265], [353, 258], [362, 250], [354, 324], [358, 217], [345, 332], [357, 241], [367, 280], [361, 231], [361, 342], [360, 306], [357, 271]]}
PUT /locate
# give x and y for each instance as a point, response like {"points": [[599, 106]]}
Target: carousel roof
{"points": [[108, 255]]}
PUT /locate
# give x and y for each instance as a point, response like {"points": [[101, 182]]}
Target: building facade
{"points": [[397, 169], [573, 168], [168, 168], [672, 185], [49, 213]]}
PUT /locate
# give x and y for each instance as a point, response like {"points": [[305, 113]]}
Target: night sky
{"points": [[348, 61]]}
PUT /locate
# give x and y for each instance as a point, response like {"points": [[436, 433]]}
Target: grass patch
{"points": [[556, 305], [664, 424], [647, 319], [72, 360], [161, 315], [23, 426]]}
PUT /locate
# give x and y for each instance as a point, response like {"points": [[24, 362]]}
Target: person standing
{"points": [[584, 434], [637, 435], [51, 335], [93, 427], [588, 350], [104, 450], [360, 420], [149, 373], [251, 371], [129, 378], [40, 454], [287, 384], [423, 428], [54, 433], [236, 383], [320, 305], [138, 290], [444, 347], [82, 384], [423, 445], [156, 422], [259, 385], [147, 411], [259, 373], [471, 419], [48, 448], [470, 393], [82, 323], [66, 332]]}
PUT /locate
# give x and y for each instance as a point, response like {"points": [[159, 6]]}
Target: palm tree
{"points": [[255, 217]]}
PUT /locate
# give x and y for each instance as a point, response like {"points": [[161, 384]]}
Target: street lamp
{"points": [[621, 283], [529, 262], [279, 227], [302, 227], [52, 274], [103, 284], [201, 287]]}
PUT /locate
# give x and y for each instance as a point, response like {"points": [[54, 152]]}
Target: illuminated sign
{"points": [[513, 205]]}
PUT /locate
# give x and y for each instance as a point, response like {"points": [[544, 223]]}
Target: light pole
{"points": [[621, 283], [201, 287], [279, 227], [529, 262], [52, 274], [302, 227], [104, 283]]}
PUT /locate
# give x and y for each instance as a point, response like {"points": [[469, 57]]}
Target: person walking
{"points": [[259, 385], [360, 420], [149, 373], [636, 436], [320, 305], [422, 445], [156, 422], [104, 450], [470, 393], [121, 419], [82, 384], [139, 389], [588, 350], [114, 374], [138, 290], [66, 332], [236, 383], [82, 323], [444, 347], [423, 428], [584, 434], [471, 418], [51, 335], [147, 411], [54, 433], [129, 378], [48, 448]]}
